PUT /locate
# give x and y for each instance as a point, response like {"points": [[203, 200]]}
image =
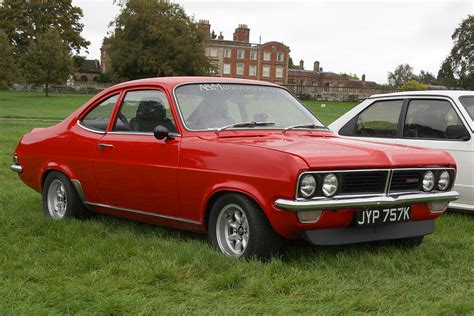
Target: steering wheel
{"points": [[124, 120]]}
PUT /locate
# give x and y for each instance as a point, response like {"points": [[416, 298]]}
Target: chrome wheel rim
{"points": [[232, 230], [57, 199]]}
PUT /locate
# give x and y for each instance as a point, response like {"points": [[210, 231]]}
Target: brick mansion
{"points": [[270, 61]]}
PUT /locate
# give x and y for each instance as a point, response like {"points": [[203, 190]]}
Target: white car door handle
{"points": [[103, 146]]}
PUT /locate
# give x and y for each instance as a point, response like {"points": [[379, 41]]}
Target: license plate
{"points": [[383, 216]]}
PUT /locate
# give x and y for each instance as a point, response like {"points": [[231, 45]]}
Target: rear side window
{"points": [[468, 103], [98, 118], [142, 111], [379, 120], [430, 119]]}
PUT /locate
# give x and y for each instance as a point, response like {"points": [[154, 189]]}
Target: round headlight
{"points": [[444, 180], [428, 181], [330, 185], [307, 185]]}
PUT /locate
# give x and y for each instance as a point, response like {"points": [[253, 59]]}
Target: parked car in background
{"points": [[434, 119], [242, 160]]}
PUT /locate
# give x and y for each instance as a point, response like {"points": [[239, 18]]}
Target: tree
{"points": [[8, 68], [156, 38], [426, 77], [413, 85], [48, 60], [291, 65], [22, 21], [462, 53], [446, 75], [350, 76], [400, 75]]}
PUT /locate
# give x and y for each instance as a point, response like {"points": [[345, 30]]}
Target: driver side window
{"points": [[143, 110], [379, 120]]}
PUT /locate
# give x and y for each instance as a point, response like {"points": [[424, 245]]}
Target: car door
{"points": [[135, 171], [378, 122], [426, 124]]}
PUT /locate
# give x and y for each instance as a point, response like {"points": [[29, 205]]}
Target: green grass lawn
{"points": [[112, 266]]}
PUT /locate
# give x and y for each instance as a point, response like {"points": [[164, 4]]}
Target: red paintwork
{"points": [[179, 177]]}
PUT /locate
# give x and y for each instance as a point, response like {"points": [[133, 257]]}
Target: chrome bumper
{"points": [[16, 168], [366, 202]]}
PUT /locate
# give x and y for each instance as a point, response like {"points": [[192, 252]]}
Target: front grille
{"points": [[406, 180], [362, 182]]}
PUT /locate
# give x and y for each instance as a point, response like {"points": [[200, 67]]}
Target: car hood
{"points": [[327, 151]]}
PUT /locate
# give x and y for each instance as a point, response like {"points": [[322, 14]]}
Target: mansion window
{"points": [[279, 72], [226, 69], [227, 53], [266, 71], [280, 56], [240, 69], [240, 54], [252, 70], [253, 55], [213, 52], [266, 56]]}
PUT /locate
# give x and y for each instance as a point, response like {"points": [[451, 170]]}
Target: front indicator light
{"points": [[437, 207], [428, 181], [444, 180], [309, 216]]}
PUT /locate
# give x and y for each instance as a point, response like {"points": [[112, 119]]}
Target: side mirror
{"points": [[457, 132], [162, 132]]}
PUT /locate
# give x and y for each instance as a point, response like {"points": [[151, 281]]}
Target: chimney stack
{"points": [[363, 77], [321, 69], [205, 27], [242, 34], [302, 64], [220, 37], [316, 66]]}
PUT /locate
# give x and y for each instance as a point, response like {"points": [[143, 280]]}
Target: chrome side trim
{"points": [[77, 185], [367, 202], [173, 218], [16, 168], [89, 129], [142, 133]]}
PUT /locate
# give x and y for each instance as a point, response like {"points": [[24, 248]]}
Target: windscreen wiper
{"points": [[244, 124], [312, 125]]}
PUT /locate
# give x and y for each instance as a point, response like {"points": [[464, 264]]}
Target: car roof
{"points": [[171, 82], [449, 93]]}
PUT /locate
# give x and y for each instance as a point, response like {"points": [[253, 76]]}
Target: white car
{"points": [[433, 119]]}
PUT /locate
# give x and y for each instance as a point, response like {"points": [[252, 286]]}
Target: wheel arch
{"points": [[50, 167], [215, 194]]}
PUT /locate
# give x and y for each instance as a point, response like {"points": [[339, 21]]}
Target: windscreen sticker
{"points": [[234, 87]]}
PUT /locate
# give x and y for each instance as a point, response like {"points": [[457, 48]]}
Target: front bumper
{"points": [[16, 168], [352, 235], [382, 201]]}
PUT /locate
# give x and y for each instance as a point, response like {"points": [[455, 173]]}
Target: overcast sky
{"points": [[370, 37]]}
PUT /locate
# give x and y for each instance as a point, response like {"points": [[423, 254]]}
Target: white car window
{"points": [[430, 119]]}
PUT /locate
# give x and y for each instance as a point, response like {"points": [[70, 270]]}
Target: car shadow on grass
{"points": [[292, 251]]}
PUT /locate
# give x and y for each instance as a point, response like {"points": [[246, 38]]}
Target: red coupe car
{"points": [[242, 160]]}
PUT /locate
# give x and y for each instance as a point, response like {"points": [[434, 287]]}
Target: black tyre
{"points": [[239, 228], [411, 242], [60, 199]]}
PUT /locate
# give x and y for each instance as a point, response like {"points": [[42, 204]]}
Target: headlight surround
{"points": [[330, 184], [308, 186], [444, 180], [428, 181]]}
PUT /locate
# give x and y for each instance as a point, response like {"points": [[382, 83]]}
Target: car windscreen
{"points": [[468, 103], [213, 106]]}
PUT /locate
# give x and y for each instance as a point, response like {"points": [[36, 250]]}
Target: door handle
{"points": [[103, 146]]}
